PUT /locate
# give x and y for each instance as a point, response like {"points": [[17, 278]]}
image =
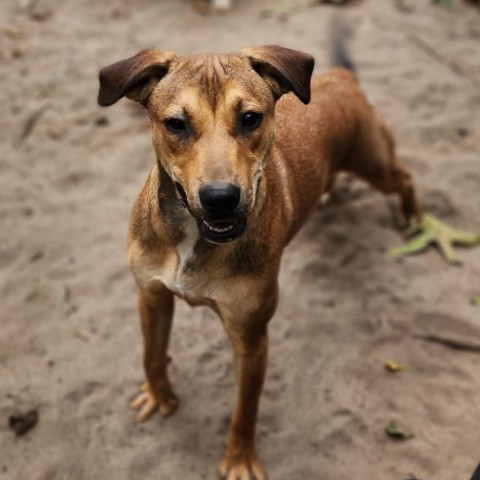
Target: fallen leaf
{"points": [[41, 13], [22, 423], [432, 231], [393, 430], [36, 291], [405, 5], [394, 367], [476, 300], [15, 33], [18, 51]]}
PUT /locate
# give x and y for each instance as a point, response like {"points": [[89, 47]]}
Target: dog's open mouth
{"points": [[215, 230], [221, 231]]}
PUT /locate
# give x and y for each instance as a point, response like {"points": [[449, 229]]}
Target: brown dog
{"points": [[240, 167]]}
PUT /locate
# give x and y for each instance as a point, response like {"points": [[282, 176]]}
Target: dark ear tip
{"points": [[306, 99], [310, 66], [104, 102], [311, 63], [104, 99]]}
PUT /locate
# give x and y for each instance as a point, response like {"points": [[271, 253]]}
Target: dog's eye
{"points": [[250, 121], [176, 125]]}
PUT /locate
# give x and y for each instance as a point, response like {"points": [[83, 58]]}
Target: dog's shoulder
{"points": [[146, 229]]}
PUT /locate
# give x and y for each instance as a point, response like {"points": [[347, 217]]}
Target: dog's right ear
{"points": [[134, 77]]}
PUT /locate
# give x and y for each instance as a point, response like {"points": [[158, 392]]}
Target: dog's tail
{"points": [[341, 34]]}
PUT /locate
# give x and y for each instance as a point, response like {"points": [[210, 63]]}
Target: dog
{"points": [[246, 144]]}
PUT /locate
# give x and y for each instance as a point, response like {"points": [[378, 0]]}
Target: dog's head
{"points": [[212, 122]]}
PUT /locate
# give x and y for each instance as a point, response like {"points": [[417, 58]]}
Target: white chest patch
{"points": [[186, 246], [173, 274]]}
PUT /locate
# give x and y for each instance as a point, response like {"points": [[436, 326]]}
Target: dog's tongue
{"points": [[220, 224]]}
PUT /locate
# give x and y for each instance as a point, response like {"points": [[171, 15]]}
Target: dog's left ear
{"points": [[285, 70], [134, 77]]}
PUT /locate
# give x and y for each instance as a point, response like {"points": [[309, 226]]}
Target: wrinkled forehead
{"points": [[214, 81]]}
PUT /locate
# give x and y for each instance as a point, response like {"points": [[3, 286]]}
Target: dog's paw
{"points": [[245, 469], [147, 403]]}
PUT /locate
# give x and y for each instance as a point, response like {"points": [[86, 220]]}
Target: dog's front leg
{"points": [[249, 340], [156, 314]]}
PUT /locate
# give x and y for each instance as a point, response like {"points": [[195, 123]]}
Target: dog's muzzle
{"points": [[220, 221]]}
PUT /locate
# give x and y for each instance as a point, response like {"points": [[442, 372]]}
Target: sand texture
{"points": [[70, 343]]}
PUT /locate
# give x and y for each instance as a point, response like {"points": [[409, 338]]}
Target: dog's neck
{"points": [[171, 208]]}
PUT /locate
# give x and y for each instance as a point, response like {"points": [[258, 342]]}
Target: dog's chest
{"points": [[177, 273]]}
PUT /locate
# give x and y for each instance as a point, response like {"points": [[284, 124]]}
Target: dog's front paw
{"points": [[248, 467], [147, 403]]}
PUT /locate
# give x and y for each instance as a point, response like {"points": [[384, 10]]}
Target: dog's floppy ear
{"points": [[283, 69], [134, 77]]}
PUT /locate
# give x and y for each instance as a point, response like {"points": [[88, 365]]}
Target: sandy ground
{"points": [[70, 342]]}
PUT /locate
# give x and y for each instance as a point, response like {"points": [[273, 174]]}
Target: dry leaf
{"points": [[394, 367], [398, 432]]}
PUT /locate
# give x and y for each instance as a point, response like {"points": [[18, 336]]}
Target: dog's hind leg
{"points": [[374, 159], [156, 314], [372, 156]]}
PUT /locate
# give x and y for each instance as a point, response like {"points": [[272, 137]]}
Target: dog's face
{"points": [[212, 122], [212, 133]]}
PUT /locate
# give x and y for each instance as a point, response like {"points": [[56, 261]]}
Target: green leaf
{"points": [[394, 367], [393, 430], [432, 231]]}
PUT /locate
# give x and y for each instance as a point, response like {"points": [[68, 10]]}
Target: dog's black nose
{"points": [[219, 199]]}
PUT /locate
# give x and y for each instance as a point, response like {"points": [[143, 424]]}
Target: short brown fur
{"points": [[282, 168]]}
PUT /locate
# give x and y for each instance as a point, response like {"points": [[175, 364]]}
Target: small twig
{"points": [[30, 124], [456, 67], [450, 342]]}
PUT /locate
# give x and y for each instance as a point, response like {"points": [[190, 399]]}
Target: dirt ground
{"points": [[70, 342]]}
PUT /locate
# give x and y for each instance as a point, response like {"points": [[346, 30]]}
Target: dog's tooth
{"points": [[216, 229]]}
